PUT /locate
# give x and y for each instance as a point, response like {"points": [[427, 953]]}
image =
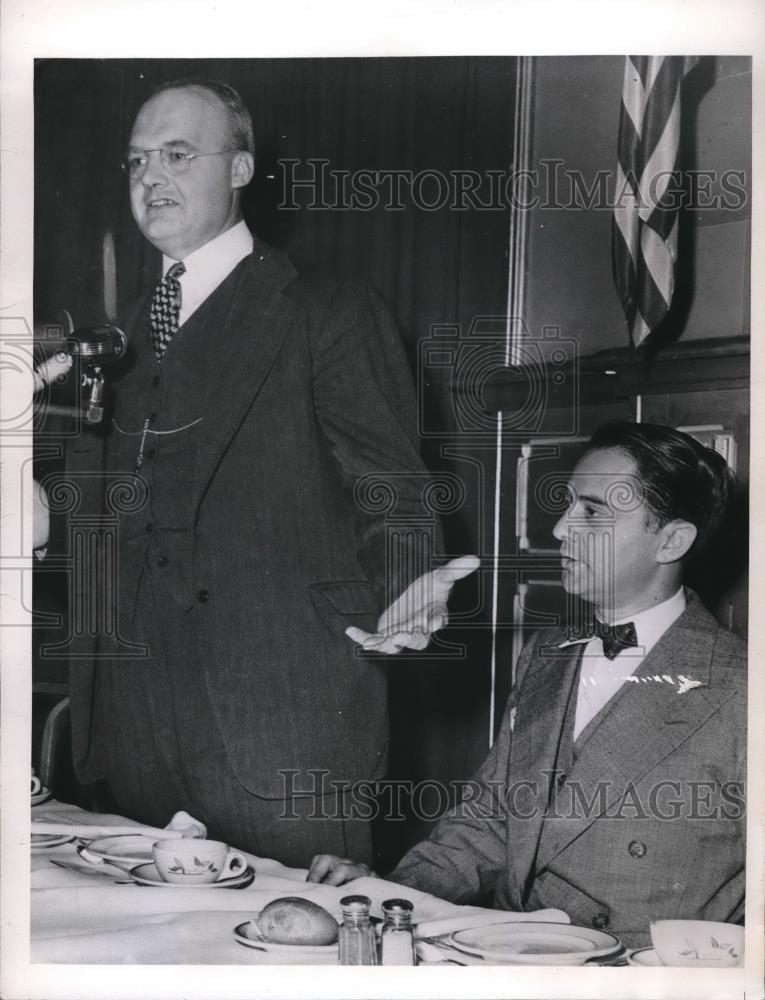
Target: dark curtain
{"points": [[433, 266]]}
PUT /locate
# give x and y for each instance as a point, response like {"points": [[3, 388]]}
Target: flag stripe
{"points": [[645, 219], [657, 112]]}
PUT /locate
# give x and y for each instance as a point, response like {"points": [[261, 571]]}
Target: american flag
{"points": [[646, 208]]}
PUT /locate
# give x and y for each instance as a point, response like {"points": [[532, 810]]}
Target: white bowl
{"points": [[698, 943]]}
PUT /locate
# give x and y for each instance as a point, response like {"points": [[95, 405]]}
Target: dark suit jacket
{"points": [[649, 823], [284, 395]]}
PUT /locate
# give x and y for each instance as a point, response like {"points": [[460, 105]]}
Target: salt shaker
{"points": [[397, 935], [358, 945]]}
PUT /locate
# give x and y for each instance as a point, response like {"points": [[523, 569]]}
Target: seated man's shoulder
{"points": [[703, 629], [540, 646]]}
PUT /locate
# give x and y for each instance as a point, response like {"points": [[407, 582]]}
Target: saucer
{"points": [[249, 935], [148, 875], [46, 841], [134, 850], [646, 957], [42, 796]]}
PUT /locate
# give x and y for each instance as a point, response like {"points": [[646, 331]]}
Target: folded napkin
{"points": [[180, 826], [443, 954]]}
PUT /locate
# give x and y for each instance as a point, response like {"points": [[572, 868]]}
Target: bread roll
{"points": [[293, 920]]}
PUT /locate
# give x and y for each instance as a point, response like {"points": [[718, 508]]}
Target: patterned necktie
{"points": [[615, 638], [166, 308]]}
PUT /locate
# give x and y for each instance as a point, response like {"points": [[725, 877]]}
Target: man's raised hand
{"points": [[419, 612]]}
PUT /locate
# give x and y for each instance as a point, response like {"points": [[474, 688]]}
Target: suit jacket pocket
{"points": [[340, 603]]}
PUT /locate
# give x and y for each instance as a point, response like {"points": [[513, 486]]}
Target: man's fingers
{"points": [[359, 635], [456, 569], [396, 641], [332, 870], [344, 873], [438, 619], [391, 642], [322, 865]]}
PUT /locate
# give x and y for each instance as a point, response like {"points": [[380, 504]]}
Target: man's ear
{"points": [[676, 538], [242, 169]]}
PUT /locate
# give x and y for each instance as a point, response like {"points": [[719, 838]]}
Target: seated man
{"points": [[615, 788]]}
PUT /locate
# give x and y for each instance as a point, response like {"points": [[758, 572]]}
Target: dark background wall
{"points": [[443, 266]]}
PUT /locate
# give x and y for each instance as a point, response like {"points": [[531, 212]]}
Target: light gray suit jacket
{"points": [[650, 820]]}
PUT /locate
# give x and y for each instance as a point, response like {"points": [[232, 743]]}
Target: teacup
{"points": [[698, 943], [36, 784], [195, 862]]}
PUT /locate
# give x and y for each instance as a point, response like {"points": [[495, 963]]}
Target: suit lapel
{"points": [[643, 724], [539, 720], [243, 352]]}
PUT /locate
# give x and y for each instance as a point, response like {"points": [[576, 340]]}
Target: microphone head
{"points": [[97, 344]]}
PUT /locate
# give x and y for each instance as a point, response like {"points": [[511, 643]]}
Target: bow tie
{"points": [[615, 638]]}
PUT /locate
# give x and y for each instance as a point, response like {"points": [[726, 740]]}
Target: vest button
{"points": [[151, 453], [152, 417], [162, 561], [637, 849], [203, 596], [149, 527], [600, 920], [156, 380]]}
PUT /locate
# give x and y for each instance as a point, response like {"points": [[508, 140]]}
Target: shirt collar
{"points": [[207, 266], [652, 623]]}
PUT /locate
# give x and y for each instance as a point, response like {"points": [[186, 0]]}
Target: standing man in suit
{"points": [[255, 405], [615, 788]]}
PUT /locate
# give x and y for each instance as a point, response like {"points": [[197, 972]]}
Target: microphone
{"points": [[96, 347]]}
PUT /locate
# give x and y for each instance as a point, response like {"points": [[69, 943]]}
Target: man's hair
{"points": [[680, 478], [241, 133]]}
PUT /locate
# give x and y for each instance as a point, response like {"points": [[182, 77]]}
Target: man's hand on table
{"points": [[331, 870], [419, 612]]}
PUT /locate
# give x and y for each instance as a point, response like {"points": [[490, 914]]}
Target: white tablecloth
{"points": [[89, 919]]}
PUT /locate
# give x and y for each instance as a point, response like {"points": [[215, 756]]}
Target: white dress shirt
{"points": [[600, 678], [208, 266]]}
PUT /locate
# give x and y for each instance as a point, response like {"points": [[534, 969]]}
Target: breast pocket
{"points": [[340, 603]]}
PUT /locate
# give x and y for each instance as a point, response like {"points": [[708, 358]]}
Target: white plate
{"points": [[47, 841], [148, 875], [249, 935], [646, 957], [131, 849], [42, 796], [529, 943]]}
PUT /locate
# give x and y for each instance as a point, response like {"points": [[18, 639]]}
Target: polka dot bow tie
{"points": [[166, 308]]}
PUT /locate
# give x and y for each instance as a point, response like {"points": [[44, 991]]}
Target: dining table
{"points": [[83, 913]]}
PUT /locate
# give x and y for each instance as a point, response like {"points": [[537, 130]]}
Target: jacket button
{"points": [[162, 561], [203, 597], [149, 527], [637, 849], [600, 920]]}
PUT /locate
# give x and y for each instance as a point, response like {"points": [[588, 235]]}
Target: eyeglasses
{"points": [[174, 159]]}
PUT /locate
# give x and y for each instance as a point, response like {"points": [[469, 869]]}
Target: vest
{"points": [[159, 418]]}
